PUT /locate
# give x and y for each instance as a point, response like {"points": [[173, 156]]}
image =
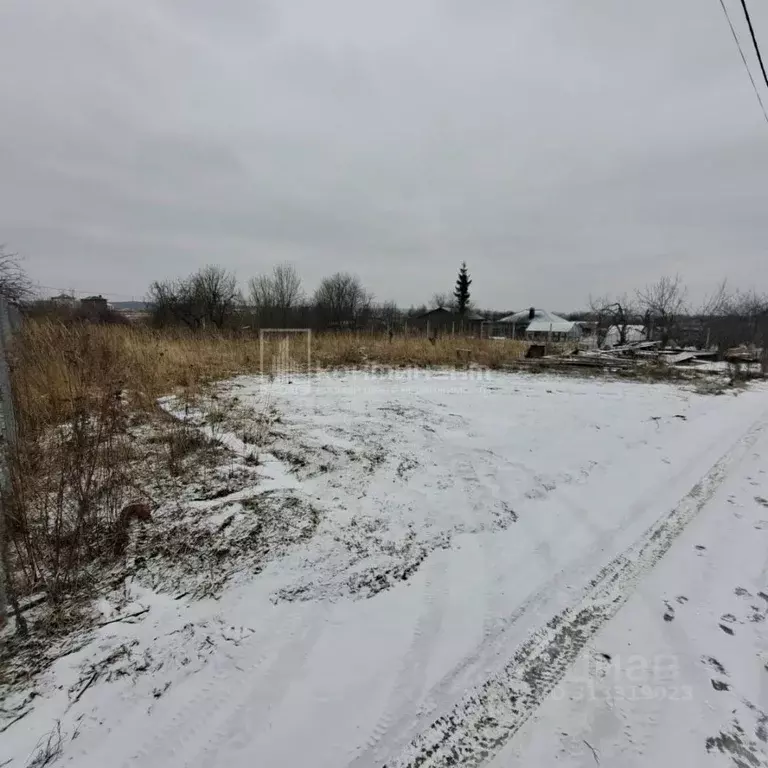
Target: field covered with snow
{"points": [[435, 569]]}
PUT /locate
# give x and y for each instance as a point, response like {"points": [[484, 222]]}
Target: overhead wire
{"points": [[744, 59], [76, 291], [754, 40]]}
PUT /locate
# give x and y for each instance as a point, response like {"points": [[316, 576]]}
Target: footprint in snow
{"points": [[760, 500], [712, 662], [720, 685], [669, 615], [700, 548], [726, 629], [682, 599]]}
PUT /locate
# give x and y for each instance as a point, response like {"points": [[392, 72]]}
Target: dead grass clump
{"points": [[196, 553], [88, 429], [70, 482], [48, 748]]}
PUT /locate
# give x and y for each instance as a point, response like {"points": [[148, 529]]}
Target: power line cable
{"points": [[70, 290], [754, 40], [744, 59]]}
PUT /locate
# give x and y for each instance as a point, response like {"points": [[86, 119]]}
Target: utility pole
{"points": [[8, 318]]}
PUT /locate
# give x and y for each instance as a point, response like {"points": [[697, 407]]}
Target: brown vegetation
{"points": [[56, 366]]}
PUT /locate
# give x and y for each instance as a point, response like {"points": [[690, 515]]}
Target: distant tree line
{"points": [[211, 298], [724, 319]]}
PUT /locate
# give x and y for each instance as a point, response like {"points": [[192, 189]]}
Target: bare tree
{"points": [[718, 303], [215, 291], [274, 297], [387, 315], [443, 300], [735, 317], [164, 300], [749, 303], [288, 291], [752, 308], [620, 313], [208, 297], [261, 293], [663, 303], [15, 284], [341, 301]]}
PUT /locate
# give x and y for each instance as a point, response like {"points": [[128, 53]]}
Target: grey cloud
{"points": [[559, 148]]}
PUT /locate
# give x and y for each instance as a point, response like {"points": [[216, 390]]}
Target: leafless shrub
{"points": [[69, 484], [15, 284], [735, 318], [717, 303], [207, 298], [180, 440], [387, 316], [619, 313], [663, 302]]}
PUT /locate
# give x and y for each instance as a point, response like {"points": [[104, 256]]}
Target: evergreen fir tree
{"points": [[462, 289]]}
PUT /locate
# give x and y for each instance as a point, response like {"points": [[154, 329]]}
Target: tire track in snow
{"points": [[413, 669], [236, 718], [579, 570], [411, 677], [191, 727], [488, 716], [399, 724]]}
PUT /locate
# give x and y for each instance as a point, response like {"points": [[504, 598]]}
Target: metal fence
{"points": [[10, 321]]}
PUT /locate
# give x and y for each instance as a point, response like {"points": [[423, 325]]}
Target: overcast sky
{"points": [[562, 148]]}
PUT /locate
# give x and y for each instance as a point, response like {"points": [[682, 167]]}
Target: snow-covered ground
{"points": [[480, 581]]}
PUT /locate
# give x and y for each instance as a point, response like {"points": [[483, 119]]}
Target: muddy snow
{"points": [[439, 569]]}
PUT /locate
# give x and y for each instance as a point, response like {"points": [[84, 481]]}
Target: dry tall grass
{"points": [[56, 365]]}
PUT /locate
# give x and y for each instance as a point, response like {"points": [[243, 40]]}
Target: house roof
{"points": [[446, 311], [436, 311], [538, 314], [556, 325]]}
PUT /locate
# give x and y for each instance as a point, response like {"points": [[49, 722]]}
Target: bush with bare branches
{"points": [[275, 297], [207, 298], [663, 302], [341, 301], [620, 313], [15, 284]]}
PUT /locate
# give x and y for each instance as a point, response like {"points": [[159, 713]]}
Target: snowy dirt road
{"points": [[477, 539]]}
